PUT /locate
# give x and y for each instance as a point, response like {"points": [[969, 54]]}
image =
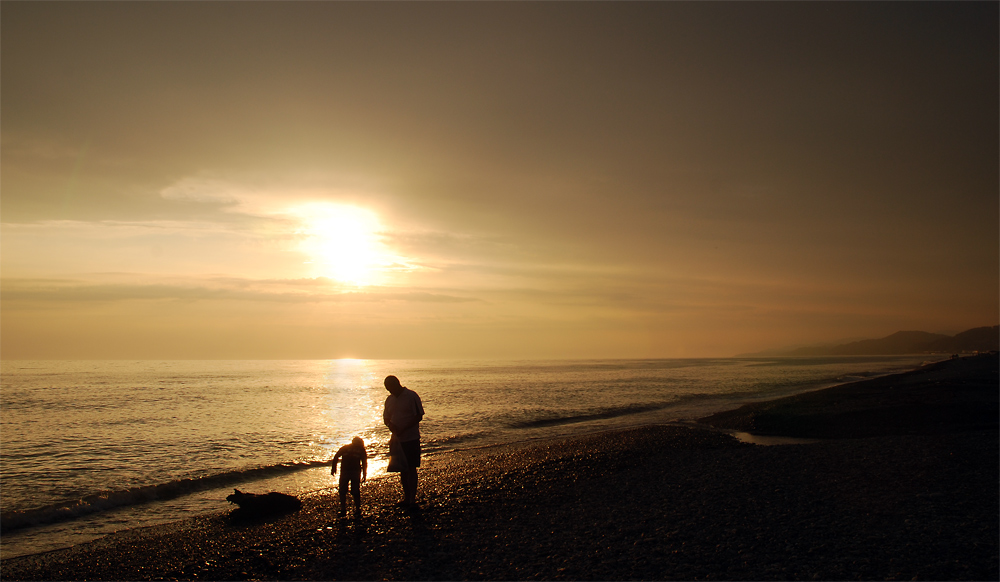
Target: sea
{"points": [[88, 448]]}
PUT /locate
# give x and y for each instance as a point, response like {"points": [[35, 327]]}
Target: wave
{"points": [[108, 500], [598, 415], [442, 443], [733, 399]]}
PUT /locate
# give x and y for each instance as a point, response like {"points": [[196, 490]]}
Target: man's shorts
{"points": [[412, 451]]}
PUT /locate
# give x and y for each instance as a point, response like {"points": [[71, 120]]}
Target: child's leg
{"points": [[356, 493], [344, 485]]}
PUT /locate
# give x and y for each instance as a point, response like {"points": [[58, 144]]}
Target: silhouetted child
{"points": [[353, 471]]}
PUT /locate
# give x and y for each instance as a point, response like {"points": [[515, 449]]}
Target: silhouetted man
{"points": [[403, 413]]}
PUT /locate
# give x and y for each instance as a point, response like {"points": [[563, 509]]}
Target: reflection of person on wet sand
{"points": [[353, 471], [403, 413]]}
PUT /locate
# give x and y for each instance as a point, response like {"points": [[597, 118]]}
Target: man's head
{"points": [[392, 385], [357, 441]]}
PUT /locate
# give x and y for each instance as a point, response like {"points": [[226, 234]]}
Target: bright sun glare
{"points": [[342, 241]]}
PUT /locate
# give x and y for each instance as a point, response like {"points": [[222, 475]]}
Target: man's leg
{"points": [[406, 485], [409, 479]]}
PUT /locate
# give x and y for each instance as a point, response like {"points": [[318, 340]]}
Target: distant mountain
{"points": [[979, 339]]}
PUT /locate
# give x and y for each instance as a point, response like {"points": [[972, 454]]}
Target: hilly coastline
{"points": [[979, 339]]}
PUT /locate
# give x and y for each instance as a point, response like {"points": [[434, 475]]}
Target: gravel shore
{"points": [[954, 395], [658, 502]]}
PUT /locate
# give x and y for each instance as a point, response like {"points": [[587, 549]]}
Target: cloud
{"points": [[68, 291], [205, 191], [252, 249]]}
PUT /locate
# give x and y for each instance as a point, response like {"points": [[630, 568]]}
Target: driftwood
{"points": [[261, 504]]}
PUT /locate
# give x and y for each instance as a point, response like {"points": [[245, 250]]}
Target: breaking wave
{"points": [[597, 415], [108, 500]]}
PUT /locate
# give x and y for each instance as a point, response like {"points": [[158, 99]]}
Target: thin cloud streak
{"points": [[33, 292]]}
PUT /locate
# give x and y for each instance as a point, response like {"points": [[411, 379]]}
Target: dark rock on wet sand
{"points": [[659, 502]]}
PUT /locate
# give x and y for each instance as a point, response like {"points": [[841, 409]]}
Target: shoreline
{"points": [[665, 502], [947, 396]]}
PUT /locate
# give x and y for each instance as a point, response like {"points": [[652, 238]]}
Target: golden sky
{"points": [[493, 180]]}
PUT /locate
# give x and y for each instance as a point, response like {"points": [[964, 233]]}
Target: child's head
{"points": [[357, 441]]}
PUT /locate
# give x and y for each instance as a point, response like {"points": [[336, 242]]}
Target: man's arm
{"points": [[418, 415], [364, 468], [415, 422], [386, 415], [402, 427]]}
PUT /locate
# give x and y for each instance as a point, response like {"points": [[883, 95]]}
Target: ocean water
{"points": [[91, 447]]}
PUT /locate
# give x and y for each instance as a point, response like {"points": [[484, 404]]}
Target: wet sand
{"points": [[658, 502]]}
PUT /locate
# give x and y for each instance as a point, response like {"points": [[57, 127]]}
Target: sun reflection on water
{"points": [[354, 398]]}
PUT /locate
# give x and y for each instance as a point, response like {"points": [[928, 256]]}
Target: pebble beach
{"points": [[911, 499]]}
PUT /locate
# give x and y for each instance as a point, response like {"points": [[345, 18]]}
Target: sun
{"points": [[343, 242]]}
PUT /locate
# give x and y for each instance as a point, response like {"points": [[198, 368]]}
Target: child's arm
{"points": [[336, 459]]}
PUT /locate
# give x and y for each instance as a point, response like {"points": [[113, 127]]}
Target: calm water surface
{"points": [[91, 447]]}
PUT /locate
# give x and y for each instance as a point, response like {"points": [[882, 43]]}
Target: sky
{"points": [[493, 180]]}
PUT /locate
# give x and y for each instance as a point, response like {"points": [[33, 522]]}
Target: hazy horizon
{"points": [[493, 180], [768, 352]]}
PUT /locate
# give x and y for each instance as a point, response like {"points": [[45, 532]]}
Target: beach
{"points": [[914, 498]]}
